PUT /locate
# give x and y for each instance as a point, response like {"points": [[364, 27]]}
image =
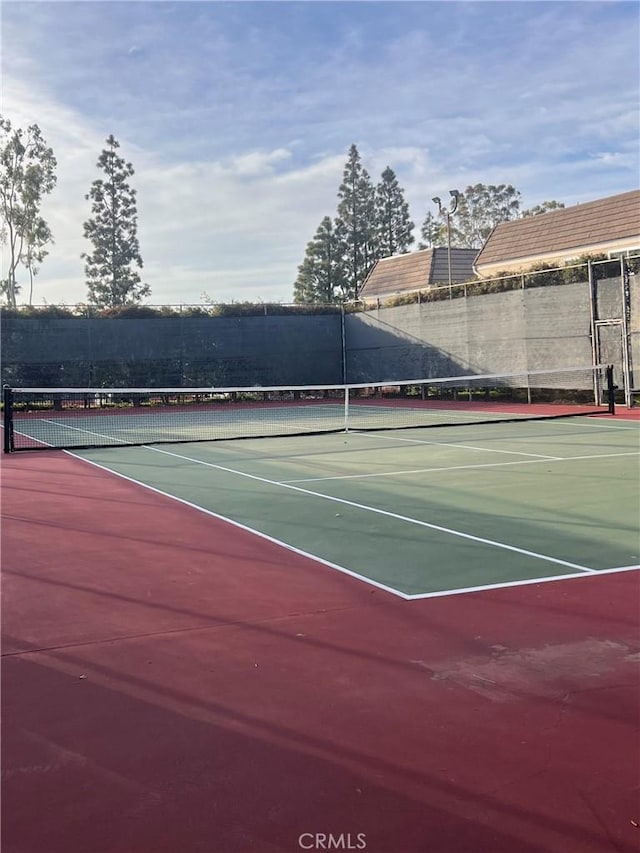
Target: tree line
{"points": [[373, 222], [27, 175]]}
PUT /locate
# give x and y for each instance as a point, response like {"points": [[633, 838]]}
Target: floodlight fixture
{"points": [[447, 213]]}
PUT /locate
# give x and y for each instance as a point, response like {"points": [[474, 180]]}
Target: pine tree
{"points": [[356, 222], [321, 275], [113, 231], [393, 224]]}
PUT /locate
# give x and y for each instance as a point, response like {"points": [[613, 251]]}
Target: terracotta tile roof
{"points": [[569, 229], [415, 270]]}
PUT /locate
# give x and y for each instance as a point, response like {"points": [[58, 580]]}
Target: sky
{"points": [[238, 118]]}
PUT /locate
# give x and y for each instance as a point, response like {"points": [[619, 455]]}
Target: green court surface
{"points": [[421, 512]]}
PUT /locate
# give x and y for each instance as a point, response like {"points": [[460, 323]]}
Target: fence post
{"points": [[626, 337], [343, 340], [595, 344]]}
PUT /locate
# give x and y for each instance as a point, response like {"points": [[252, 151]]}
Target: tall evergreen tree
{"points": [[113, 230], [27, 174], [393, 223], [321, 275], [356, 221]]}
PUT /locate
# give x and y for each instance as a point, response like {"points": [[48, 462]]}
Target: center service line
{"points": [[376, 510]]}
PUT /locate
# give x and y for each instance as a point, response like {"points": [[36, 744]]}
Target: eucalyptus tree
{"points": [[27, 175], [433, 232], [543, 207], [35, 251], [480, 208]]}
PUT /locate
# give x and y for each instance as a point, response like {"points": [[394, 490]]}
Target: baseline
{"points": [[525, 582]]}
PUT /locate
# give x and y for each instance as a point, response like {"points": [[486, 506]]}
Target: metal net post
{"points": [[7, 399]]}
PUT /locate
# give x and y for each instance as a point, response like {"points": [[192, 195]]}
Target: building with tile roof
{"points": [[417, 270], [609, 226]]}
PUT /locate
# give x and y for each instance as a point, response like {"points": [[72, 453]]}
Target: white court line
{"points": [[442, 417], [421, 441], [527, 582], [335, 566], [32, 438], [244, 527], [378, 511], [462, 467], [592, 422], [85, 431], [411, 471]]}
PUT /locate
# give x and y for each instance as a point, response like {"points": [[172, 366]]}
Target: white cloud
{"points": [[258, 163], [239, 142], [238, 228]]}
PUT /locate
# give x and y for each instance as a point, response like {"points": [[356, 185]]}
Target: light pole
{"points": [[447, 213]]}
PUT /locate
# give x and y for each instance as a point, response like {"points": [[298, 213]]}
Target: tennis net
{"points": [[41, 418]]}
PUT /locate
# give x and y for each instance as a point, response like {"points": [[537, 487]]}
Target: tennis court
{"points": [[409, 639], [417, 512]]}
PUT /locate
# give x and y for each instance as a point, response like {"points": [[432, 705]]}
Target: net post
{"points": [[346, 408], [611, 388], [7, 401]]}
